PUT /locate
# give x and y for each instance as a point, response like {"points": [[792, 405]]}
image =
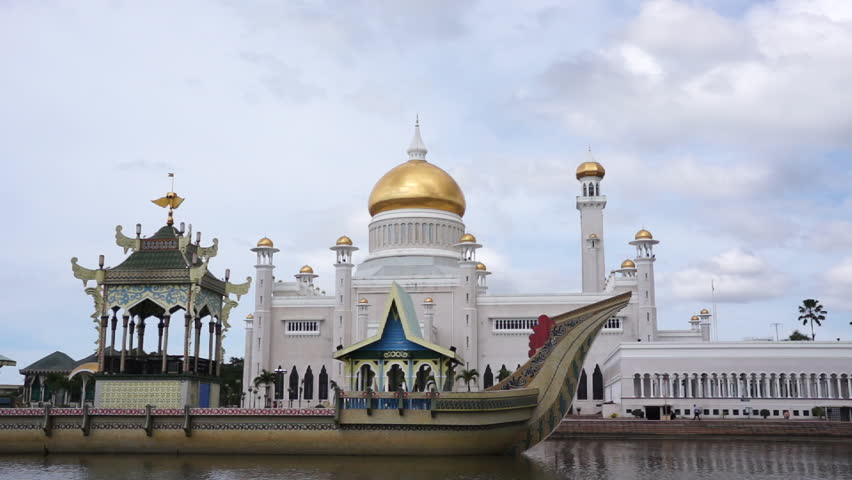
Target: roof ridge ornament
{"points": [[417, 150], [171, 200]]}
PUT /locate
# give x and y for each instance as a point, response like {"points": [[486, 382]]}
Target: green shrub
{"points": [[818, 412], [613, 415]]}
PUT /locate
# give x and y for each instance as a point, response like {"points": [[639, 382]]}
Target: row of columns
{"points": [[131, 327], [742, 385]]}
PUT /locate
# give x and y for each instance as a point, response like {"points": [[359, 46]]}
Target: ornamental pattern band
{"points": [[166, 296]]}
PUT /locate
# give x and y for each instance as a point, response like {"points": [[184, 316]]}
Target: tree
{"points": [[504, 373], [57, 383], [764, 413], [812, 312], [468, 375], [798, 336], [265, 378]]}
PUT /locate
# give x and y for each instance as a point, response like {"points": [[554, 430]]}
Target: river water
{"points": [[557, 459]]}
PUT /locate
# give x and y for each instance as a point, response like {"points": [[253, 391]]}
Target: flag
{"points": [[171, 175]]}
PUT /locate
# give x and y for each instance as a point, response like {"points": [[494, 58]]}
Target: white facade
{"points": [[730, 379], [297, 326]]}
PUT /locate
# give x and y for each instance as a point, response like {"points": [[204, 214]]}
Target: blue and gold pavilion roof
{"points": [[399, 331]]}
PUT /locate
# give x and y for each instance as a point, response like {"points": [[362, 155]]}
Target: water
{"points": [[562, 459]]}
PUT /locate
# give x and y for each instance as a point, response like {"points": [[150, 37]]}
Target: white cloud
{"points": [[739, 277]]}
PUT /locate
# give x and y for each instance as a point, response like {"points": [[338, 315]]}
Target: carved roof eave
{"points": [[174, 276]]}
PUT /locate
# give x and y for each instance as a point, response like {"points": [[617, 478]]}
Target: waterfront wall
{"points": [[626, 428]]}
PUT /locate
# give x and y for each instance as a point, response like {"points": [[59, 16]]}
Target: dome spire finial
{"points": [[417, 150]]}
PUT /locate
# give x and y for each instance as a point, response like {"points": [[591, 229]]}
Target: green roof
{"points": [[55, 362], [7, 362], [153, 260]]}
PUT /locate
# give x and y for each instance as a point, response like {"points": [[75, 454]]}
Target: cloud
{"points": [[739, 277], [837, 283], [682, 71]]}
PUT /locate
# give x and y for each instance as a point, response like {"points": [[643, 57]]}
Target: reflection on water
{"points": [[563, 459]]}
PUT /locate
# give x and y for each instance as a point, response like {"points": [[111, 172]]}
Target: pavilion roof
{"points": [[7, 362], [57, 362], [399, 302]]}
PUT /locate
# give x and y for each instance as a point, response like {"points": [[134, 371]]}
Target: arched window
{"points": [[488, 377], [585, 189], [309, 384], [294, 384], [597, 384], [582, 392], [323, 384]]}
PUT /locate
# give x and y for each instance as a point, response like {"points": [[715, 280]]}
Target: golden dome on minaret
{"points": [[695, 318], [265, 242], [704, 311], [363, 301], [628, 264], [481, 267], [590, 169], [344, 240], [417, 184], [644, 235], [306, 269], [427, 300], [467, 238]]}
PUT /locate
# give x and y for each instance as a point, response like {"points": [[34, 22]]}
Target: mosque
{"points": [[418, 241]]}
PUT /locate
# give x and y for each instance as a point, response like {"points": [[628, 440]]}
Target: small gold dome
{"points": [[695, 318], [704, 311], [427, 300], [628, 264], [250, 316], [644, 235], [363, 300], [306, 269], [593, 236], [344, 240], [265, 242], [590, 169], [467, 238], [417, 184], [480, 266]]}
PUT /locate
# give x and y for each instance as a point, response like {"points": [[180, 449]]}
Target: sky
{"points": [[724, 127]]}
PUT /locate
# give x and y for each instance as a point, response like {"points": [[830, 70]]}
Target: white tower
{"points": [[342, 329], [469, 282], [591, 203], [259, 352], [646, 324], [706, 324]]}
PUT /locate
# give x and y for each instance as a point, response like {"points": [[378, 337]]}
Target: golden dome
{"points": [[480, 266], [417, 184], [467, 238], [427, 300], [704, 311], [363, 300], [590, 169], [250, 316], [628, 264], [265, 242], [306, 269], [592, 235], [644, 235], [344, 240], [695, 318]]}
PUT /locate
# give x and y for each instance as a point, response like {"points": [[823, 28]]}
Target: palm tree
{"points": [[265, 378], [504, 372], [468, 375], [812, 312]]}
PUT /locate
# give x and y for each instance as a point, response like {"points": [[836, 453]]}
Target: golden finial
{"points": [[171, 200]]}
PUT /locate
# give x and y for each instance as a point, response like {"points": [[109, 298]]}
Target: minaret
{"points": [[262, 322], [591, 203], [247, 360], [647, 301], [467, 247], [342, 329], [706, 324]]}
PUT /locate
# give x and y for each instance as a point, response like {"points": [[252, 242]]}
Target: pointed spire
{"points": [[417, 150]]}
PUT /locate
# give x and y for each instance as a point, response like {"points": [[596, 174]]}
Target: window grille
{"points": [[302, 327], [514, 325], [614, 323]]}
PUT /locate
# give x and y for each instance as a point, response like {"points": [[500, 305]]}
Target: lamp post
{"points": [[251, 397], [279, 385], [243, 399]]}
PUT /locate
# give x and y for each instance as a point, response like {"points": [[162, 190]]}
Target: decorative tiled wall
{"points": [[138, 393]]}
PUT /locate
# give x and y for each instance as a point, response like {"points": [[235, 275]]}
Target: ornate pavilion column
{"points": [[187, 319], [102, 342], [197, 345], [211, 329], [130, 348], [124, 321], [219, 348], [114, 325], [140, 348], [160, 337], [166, 320]]}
